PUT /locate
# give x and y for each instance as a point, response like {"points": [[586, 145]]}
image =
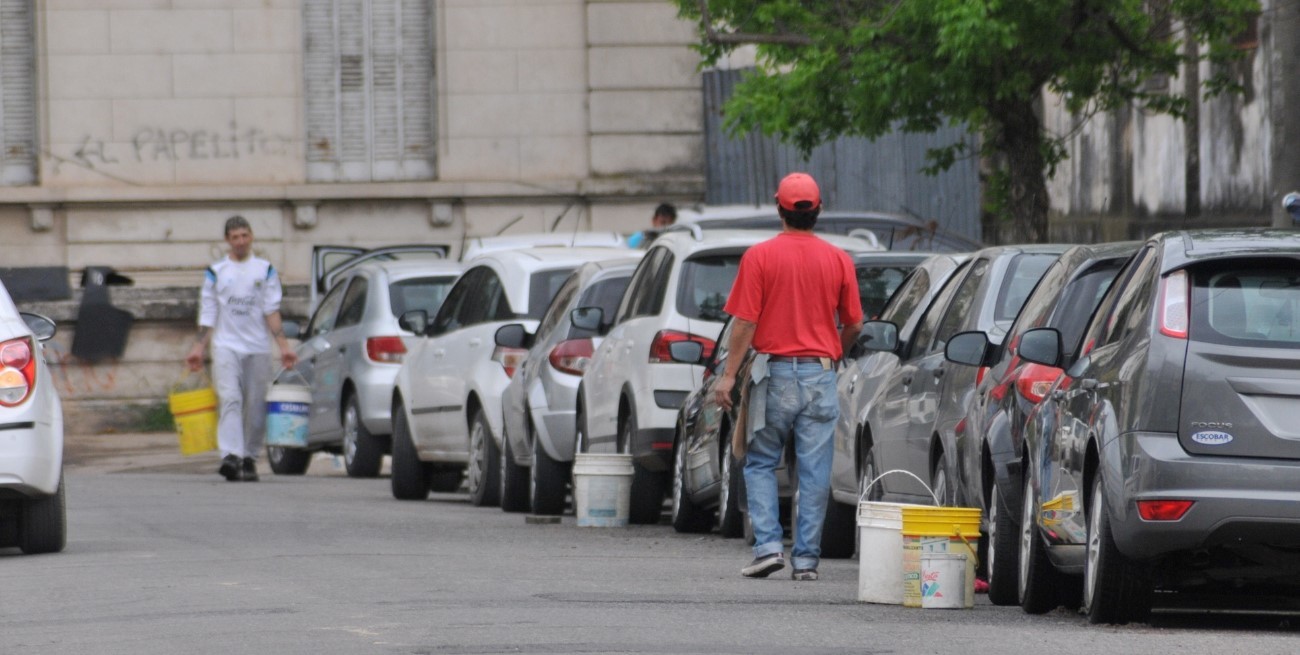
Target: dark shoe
{"points": [[249, 474], [764, 566], [803, 574], [229, 468]]}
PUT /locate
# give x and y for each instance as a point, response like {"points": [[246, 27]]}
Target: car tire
{"points": [[1037, 580], [941, 485], [514, 480], [687, 517], [484, 486], [731, 521], [288, 461], [410, 477], [1115, 589], [646, 505], [1003, 552], [363, 454], [549, 480], [43, 527]]}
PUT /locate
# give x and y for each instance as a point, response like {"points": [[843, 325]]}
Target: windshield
{"points": [[542, 289], [426, 293], [705, 284]]}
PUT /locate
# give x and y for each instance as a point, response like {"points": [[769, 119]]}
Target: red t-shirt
{"points": [[793, 288]]}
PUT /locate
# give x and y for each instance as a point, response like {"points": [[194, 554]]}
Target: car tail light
{"points": [[572, 356], [1163, 510], [509, 358], [659, 347], [385, 349], [1173, 305], [1035, 380], [17, 371]]}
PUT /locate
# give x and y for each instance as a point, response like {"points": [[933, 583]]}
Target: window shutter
{"points": [[17, 94], [369, 88]]}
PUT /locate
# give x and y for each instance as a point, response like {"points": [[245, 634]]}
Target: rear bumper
{"points": [[31, 458], [653, 448], [1237, 501], [374, 388]]}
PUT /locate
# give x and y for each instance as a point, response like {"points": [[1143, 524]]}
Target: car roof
{"points": [[886, 257], [692, 241], [899, 224], [405, 268], [515, 267], [1022, 249], [1186, 247], [477, 246]]}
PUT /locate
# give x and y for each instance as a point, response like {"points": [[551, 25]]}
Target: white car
{"points": [[447, 400], [32, 513], [632, 389]]}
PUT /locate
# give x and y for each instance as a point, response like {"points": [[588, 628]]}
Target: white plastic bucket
{"points": [[943, 581], [880, 548], [602, 489], [287, 408]]}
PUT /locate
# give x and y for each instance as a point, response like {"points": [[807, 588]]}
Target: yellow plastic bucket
{"points": [[194, 412], [929, 530]]}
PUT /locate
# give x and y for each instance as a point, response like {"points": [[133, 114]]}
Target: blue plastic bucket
{"points": [[287, 409]]}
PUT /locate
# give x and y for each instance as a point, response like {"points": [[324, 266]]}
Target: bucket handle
{"points": [[287, 373], [974, 554], [181, 383], [871, 484]]}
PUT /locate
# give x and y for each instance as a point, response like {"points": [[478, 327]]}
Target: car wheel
{"points": [[648, 487], [1115, 589], [288, 461], [514, 480], [687, 517], [549, 480], [940, 484], [484, 488], [363, 455], [410, 477], [731, 521], [1037, 580], [44, 523], [1003, 548]]}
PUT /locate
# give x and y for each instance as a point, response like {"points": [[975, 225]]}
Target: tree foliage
{"points": [[829, 68]]}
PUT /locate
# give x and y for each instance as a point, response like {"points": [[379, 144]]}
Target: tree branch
{"points": [[741, 38]]}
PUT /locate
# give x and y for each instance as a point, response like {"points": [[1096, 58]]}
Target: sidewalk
{"points": [[158, 452]]}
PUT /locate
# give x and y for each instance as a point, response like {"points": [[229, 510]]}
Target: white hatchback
{"points": [[32, 515], [632, 388]]}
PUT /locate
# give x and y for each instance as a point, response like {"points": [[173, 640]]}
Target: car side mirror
{"points": [[1041, 346], [416, 320], [42, 327], [969, 348], [513, 335], [1079, 367], [588, 318], [686, 352], [879, 336], [291, 329]]}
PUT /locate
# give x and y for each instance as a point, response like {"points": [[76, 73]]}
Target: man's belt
{"points": [[826, 362]]}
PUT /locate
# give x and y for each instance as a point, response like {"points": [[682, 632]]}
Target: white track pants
{"points": [[241, 380]]}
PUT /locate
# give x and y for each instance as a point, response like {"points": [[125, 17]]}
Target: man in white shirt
{"points": [[239, 311]]}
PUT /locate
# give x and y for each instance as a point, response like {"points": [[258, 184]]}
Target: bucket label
{"points": [[286, 424]]}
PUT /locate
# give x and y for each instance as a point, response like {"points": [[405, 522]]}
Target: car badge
{"points": [[1212, 438]]}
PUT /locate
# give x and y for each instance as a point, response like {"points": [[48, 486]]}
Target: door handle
{"points": [[907, 381], [938, 373], [1089, 383], [1058, 395], [439, 352], [343, 350], [475, 343]]}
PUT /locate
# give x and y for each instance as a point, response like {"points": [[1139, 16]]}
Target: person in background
{"points": [[239, 314], [791, 295], [665, 215]]}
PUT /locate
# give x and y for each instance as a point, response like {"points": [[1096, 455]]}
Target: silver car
{"points": [[350, 353], [538, 405]]}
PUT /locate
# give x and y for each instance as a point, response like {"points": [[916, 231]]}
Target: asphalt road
{"points": [[166, 557]]}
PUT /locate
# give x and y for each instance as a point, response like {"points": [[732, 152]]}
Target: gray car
{"points": [[350, 352], [1167, 454], [538, 405]]}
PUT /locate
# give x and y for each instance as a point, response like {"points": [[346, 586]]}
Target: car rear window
{"points": [[425, 293], [1251, 304], [542, 288], [705, 283], [1022, 276]]}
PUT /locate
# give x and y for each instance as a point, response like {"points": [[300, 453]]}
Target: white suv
{"points": [[447, 400], [632, 389], [32, 514]]}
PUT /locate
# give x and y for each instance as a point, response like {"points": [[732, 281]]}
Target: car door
{"points": [[429, 404], [324, 423], [317, 338]]}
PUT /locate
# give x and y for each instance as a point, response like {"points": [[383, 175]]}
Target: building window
{"points": [[369, 88], [17, 94]]}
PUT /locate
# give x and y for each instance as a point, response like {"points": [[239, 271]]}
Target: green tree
{"points": [[829, 68]]}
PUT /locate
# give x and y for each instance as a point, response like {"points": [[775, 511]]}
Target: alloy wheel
{"points": [[350, 421], [477, 456], [1094, 547], [1026, 537]]}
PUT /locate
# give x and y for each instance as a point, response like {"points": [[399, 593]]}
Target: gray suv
{"points": [[1167, 454]]}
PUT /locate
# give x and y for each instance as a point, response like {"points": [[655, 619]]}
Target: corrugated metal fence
{"points": [[854, 173]]}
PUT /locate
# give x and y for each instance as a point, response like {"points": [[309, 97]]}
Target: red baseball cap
{"points": [[798, 189]]}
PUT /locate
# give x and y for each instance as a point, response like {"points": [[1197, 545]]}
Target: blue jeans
{"points": [[800, 403]]}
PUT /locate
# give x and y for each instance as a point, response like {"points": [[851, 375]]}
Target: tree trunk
{"points": [[1026, 195]]}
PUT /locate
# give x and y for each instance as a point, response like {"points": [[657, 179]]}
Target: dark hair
{"points": [[800, 219], [235, 222], [668, 210]]}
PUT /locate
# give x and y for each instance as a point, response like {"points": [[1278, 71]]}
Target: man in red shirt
{"points": [[795, 299]]}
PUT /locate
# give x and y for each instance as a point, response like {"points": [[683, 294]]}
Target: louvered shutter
{"points": [[17, 94], [369, 89]]}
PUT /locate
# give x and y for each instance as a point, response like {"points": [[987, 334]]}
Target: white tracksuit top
{"points": [[235, 300]]}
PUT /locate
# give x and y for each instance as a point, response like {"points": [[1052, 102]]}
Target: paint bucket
{"points": [[880, 548], [602, 489], [943, 581], [194, 412], [287, 409], [929, 530]]}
